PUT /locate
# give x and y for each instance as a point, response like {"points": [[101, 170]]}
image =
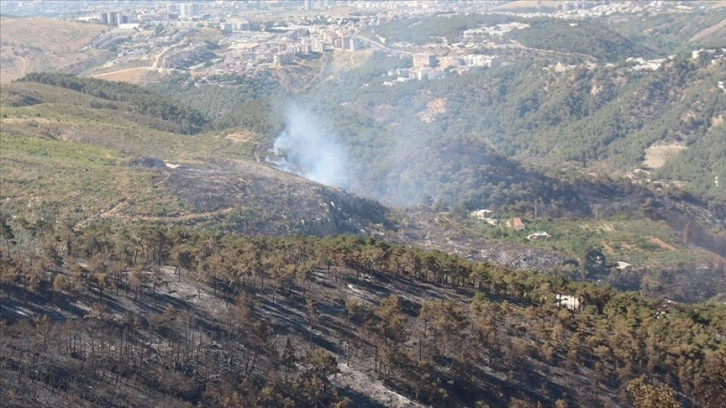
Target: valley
{"points": [[363, 204]]}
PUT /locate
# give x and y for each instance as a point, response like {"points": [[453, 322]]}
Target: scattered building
{"points": [[188, 9], [516, 224], [492, 221], [641, 64], [485, 215], [481, 214], [282, 58], [249, 49], [423, 60], [111, 18], [570, 302], [450, 62], [480, 60]]}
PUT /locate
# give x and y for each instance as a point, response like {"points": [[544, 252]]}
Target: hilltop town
{"points": [[212, 41]]}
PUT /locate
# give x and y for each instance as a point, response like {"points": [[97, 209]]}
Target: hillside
{"points": [[105, 158], [155, 317], [545, 230], [562, 118], [113, 158], [42, 45]]}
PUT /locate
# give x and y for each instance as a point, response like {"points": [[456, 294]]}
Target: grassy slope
{"points": [[78, 160], [95, 158], [110, 124], [641, 242], [50, 45], [671, 32]]}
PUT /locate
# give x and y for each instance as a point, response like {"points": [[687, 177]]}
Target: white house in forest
{"points": [[568, 301]]}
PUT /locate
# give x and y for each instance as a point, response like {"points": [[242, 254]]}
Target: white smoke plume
{"points": [[308, 148]]}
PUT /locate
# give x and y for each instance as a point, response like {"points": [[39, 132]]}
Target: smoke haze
{"points": [[308, 148], [405, 164]]}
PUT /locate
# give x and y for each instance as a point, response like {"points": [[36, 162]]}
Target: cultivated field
{"points": [[657, 156]]}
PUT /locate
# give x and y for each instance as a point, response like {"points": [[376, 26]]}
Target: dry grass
{"points": [[240, 136], [529, 4], [710, 31], [433, 109], [37, 44], [32, 121], [717, 3], [134, 75], [207, 34], [49, 35], [346, 61], [663, 245], [716, 121]]}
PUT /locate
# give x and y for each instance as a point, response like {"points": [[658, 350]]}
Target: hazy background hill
{"points": [[43, 45]]}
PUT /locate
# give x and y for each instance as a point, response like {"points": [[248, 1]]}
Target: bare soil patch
{"points": [[706, 32], [133, 75], [526, 4], [433, 109], [346, 61], [662, 244], [657, 156], [373, 388], [716, 121], [240, 136], [18, 120]]}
